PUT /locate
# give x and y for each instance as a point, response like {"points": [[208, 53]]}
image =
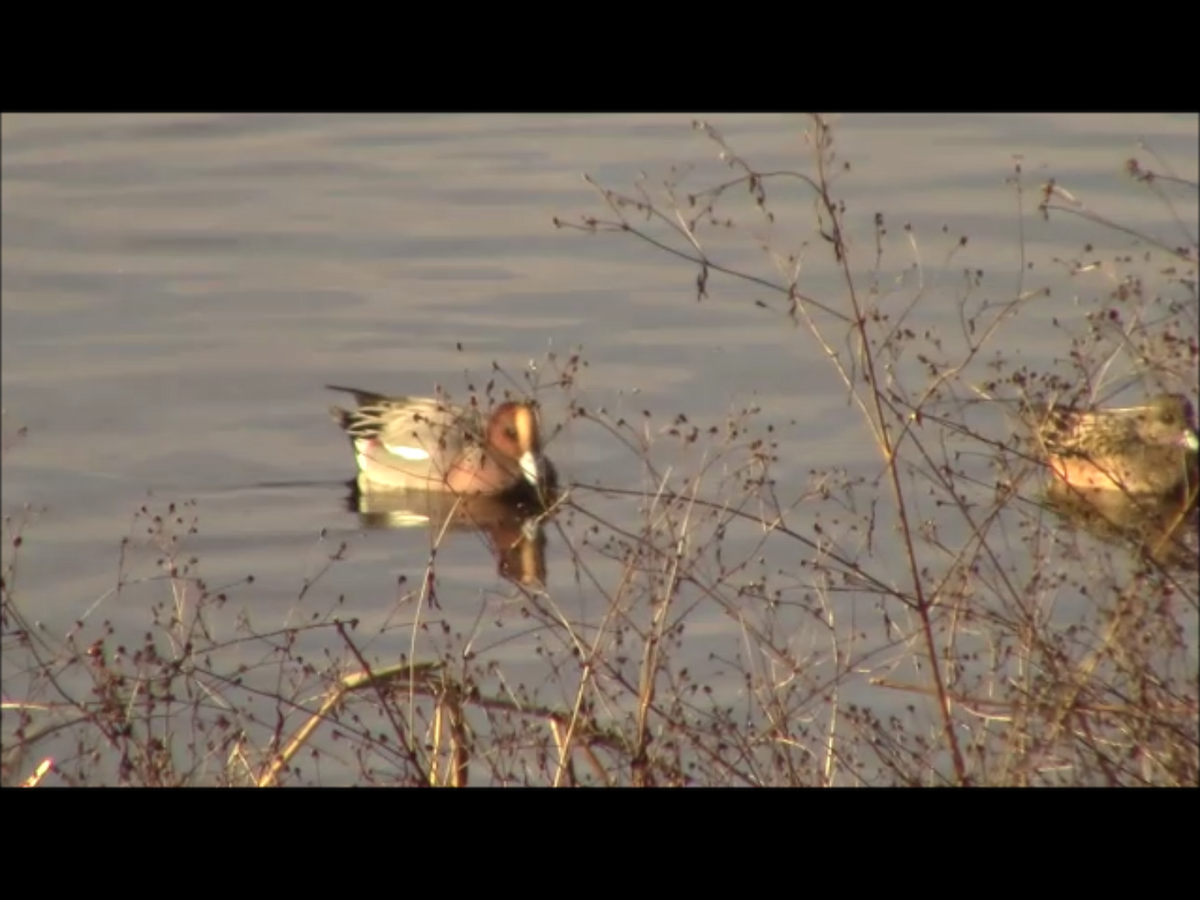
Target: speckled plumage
{"points": [[1146, 449], [407, 443]]}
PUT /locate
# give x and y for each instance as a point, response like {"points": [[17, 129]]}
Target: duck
{"points": [[1150, 449], [420, 443]]}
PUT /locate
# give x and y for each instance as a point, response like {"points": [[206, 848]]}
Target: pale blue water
{"points": [[177, 289]]}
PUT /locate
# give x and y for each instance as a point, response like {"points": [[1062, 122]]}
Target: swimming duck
{"points": [[407, 443]]}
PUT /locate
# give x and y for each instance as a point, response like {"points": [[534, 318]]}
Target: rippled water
{"points": [[177, 289]]}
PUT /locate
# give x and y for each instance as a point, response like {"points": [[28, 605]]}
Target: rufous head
{"points": [[513, 430]]}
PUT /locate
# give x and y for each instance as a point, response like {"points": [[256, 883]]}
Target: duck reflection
{"points": [[1163, 528], [510, 523]]}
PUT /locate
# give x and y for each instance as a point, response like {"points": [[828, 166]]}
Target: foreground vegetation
{"points": [[941, 620]]}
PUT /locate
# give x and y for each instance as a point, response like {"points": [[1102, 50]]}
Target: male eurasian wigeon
{"points": [[417, 443]]}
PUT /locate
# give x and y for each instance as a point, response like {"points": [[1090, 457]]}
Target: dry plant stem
{"points": [[832, 232], [594, 761], [432, 683], [1185, 228], [1055, 665], [822, 142], [978, 532], [1076, 208], [39, 773], [1004, 710], [49, 670], [449, 710], [851, 572], [596, 651], [827, 770], [436, 729], [650, 657], [1177, 520], [616, 202], [584, 653], [270, 776], [404, 736], [562, 742], [336, 557], [645, 689], [356, 681], [558, 731], [1067, 706], [425, 596]]}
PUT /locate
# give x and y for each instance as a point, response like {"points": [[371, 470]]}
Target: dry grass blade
{"points": [[356, 681], [43, 768], [864, 574]]}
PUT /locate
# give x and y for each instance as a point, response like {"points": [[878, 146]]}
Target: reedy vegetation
{"points": [[933, 621]]}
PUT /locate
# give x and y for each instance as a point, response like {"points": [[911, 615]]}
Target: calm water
{"points": [[177, 289]]}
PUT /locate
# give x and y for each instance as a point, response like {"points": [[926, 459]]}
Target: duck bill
{"points": [[531, 468]]}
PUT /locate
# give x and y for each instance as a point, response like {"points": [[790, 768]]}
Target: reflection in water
{"points": [[511, 524], [1164, 528]]}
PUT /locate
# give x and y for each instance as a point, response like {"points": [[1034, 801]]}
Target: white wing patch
{"points": [[413, 454]]}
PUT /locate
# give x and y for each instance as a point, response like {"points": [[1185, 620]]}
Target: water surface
{"points": [[177, 289]]}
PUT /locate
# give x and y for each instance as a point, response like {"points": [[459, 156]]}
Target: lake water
{"points": [[178, 288]]}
